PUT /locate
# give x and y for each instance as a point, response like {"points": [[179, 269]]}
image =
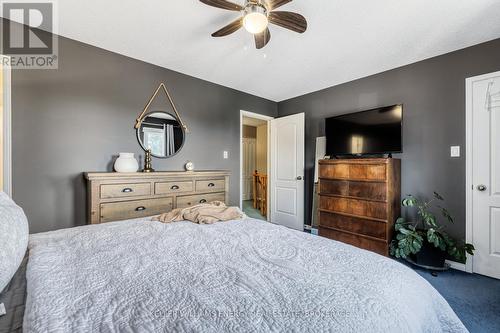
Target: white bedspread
{"points": [[239, 276]]}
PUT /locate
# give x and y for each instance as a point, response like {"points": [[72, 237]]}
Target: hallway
{"points": [[252, 212]]}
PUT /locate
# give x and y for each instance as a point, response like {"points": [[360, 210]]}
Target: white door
{"points": [[483, 99], [249, 154], [287, 171]]}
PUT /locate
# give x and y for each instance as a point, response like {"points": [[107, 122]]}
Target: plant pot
{"points": [[430, 256]]}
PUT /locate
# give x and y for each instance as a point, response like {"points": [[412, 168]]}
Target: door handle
{"points": [[299, 178], [481, 188], [140, 209]]}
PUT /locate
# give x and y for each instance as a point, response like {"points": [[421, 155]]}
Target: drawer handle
{"points": [[203, 201], [127, 190], [211, 185], [174, 187], [140, 209]]}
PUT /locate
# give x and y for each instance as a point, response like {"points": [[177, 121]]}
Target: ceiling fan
{"points": [[256, 16]]}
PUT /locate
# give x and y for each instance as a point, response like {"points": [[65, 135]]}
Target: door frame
{"points": [[268, 119], [469, 220], [7, 126]]}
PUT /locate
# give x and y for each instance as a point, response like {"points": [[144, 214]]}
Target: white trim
{"points": [[458, 266], [268, 119], [469, 267], [7, 122]]}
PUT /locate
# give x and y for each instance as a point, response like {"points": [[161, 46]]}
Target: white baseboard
{"points": [[457, 265]]}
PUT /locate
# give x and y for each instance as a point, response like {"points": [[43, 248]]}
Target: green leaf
{"points": [[401, 220], [430, 233], [416, 246], [410, 201], [430, 219], [404, 231], [446, 214], [438, 196], [469, 248]]}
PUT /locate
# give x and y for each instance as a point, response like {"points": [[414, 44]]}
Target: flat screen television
{"points": [[372, 132]]}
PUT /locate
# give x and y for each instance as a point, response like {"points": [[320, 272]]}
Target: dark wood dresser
{"points": [[359, 201]]}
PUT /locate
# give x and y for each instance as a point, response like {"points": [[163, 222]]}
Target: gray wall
{"points": [[78, 117], [433, 94]]}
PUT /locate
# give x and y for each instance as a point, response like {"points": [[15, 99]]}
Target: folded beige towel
{"points": [[206, 213]]}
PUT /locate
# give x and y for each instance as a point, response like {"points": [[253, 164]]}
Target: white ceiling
{"points": [[345, 40]]}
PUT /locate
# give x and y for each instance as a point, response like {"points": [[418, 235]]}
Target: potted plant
{"points": [[425, 241]]}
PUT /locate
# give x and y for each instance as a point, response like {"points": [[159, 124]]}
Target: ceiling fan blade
{"points": [[289, 20], [223, 4], [277, 3], [262, 39], [229, 29]]}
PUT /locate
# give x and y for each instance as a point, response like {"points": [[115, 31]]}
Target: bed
{"points": [[236, 276]]}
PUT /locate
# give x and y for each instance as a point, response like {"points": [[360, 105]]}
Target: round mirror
{"points": [[162, 133]]}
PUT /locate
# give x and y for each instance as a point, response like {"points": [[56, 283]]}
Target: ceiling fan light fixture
{"points": [[255, 20]]}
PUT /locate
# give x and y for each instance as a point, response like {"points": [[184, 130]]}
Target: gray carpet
{"points": [[474, 298]]}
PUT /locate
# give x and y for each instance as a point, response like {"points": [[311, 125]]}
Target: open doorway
{"points": [[255, 165]]}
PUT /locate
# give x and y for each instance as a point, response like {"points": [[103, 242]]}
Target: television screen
{"points": [[376, 131]]}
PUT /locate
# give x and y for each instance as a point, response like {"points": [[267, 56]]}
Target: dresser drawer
{"points": [[365, 190], [109, 191], [335, 171], [380, 247], [353, 224], [117, 211], [174, 187], [213, 185], [357, 189], [334, 187], [191, 200], [368, 171], [357, 207]]}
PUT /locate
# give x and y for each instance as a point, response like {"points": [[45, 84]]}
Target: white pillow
{"points": [[14, 235]]}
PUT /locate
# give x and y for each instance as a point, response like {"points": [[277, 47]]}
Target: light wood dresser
{"points": [[120, 196], [359, 201]]}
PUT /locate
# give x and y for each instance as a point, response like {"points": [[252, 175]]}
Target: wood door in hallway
{"points": [[483, 111]]}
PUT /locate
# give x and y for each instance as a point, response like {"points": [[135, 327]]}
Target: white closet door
{"points": [[483, 99], [249, 154]]}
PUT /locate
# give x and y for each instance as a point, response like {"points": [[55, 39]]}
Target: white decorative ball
{"points": [[189, 166]]}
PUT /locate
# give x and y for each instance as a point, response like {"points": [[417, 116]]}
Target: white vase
{"points": [[126, 162]]}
